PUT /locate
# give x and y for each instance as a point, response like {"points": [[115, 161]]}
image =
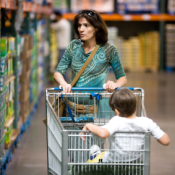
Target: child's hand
{"points": [[83, 133]]}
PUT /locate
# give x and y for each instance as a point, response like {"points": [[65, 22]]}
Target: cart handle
{"points": [[88, 88]]}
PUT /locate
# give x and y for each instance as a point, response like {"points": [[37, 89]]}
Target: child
{"points": [[123, 103]]}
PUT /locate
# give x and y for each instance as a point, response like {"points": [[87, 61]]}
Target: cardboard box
{"points": [[25, 92], [24, 110], [25, 76], [25, 48], [26, 64], [30, 42]]}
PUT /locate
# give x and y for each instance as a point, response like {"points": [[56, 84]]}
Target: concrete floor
{"points": [[31, 158]]}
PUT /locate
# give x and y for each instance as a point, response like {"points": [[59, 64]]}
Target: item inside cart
{"points": [[83, 107], [69, 154]]}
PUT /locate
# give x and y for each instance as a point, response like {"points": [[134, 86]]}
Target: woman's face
{"points": [[86, 30]]}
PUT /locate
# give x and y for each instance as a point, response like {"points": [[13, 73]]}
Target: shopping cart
{"points": [[68, 154]]}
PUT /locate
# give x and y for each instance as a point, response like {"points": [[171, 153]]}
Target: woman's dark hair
{"points": [[94, 19], [124, 101]]}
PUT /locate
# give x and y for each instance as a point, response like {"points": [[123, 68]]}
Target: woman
{"points": [[90, 30]]}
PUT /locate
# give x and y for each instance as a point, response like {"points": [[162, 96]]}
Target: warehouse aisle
{"points": [[31, 158]]}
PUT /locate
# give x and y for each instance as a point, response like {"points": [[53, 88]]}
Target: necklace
{"points": [[90, 50]]}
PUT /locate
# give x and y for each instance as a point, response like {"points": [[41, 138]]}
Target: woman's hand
{"points": [[66, 88], [111, 86]]}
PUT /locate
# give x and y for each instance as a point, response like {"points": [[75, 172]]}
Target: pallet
{"points": [[13, 137], [6, 159]]}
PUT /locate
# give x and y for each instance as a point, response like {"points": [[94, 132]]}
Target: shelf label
{"points": [[127, 17], [146, 17]]}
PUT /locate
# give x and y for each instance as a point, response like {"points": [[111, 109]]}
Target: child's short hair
{"points": [[124, 101]]}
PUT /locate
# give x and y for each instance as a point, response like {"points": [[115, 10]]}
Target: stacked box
{"points": [[4, 45], [7, 86], [11, 46], [53, 51], [2, 135], [126, 54], [119, 43], [34, 76], [135, 51], [149, 49], [112, 34], [42, 65], [25, 57], [3, 62], [8, 134], [140, 52], [170, 45]]}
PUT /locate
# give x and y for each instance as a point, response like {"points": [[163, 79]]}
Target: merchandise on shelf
{"points": [[3, 62], [8, 134], [106, 6], [53, 51], [139, 52], [33, 77], [4, 46], [11, 46], [9, 113], [149, 49], [3, 97], [137, 6], [25, 57], [170, 43], [2, 129], [3, 78], [2, 146], [2, 114], [112, 34], [61, 5], [42, 64], [171, 7]]}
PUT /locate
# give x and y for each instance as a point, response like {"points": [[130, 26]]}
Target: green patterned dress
{"points": [[96, 72]]}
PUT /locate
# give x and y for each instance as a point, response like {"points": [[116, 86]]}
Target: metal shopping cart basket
{"points": [[68, 154]]}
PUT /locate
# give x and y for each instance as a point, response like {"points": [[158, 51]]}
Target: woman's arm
{"points": [[97, 130], [62, 83], [164, 140], [111, 86]]}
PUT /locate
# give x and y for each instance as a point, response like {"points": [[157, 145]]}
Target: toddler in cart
{"points": [[123, 103]]}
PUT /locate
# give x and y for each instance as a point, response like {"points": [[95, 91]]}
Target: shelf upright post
{"points": [[0, 31], [27, 23], [162, 36], [15, 67], [71, 21], [48, 40]]}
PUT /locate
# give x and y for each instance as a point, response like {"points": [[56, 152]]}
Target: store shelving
{"points": [[10, 79], [27, 6], [8, 4], [36, 8], [13, 124], [128, 17], [132, 21]]}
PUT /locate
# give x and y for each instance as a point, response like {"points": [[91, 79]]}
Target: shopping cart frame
{"points": [[56, 133]]}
